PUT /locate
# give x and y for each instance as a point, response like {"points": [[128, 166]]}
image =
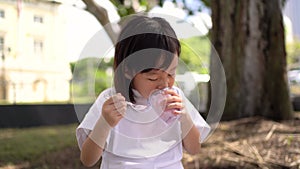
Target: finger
{"points": [[122, 111], [171, 92], [175, 105], [107, 108], [120, 104], [119, 112], [115, 98], [171, 99], [118, 97], [177, 112], [115, 114], [110, 108]]}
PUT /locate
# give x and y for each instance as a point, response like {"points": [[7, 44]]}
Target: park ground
{"points": [[246, 143]]}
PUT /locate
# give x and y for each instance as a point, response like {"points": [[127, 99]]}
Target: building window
{"points": [[38, 48], [2, 13], [38, 19]]}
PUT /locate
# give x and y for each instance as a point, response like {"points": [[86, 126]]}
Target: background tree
{"points": [[101, 15], [124, 8], [90, 77], [249, 38]]}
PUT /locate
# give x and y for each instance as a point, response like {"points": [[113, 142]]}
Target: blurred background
{"points": [[45, 79]]}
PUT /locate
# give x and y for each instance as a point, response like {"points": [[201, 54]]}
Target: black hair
{"points": [[150, 43]]}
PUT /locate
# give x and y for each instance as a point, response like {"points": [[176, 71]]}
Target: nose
{"points": [[163, 83]]}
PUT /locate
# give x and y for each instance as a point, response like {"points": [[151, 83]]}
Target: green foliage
{"points": [[207, 3], [125, 8], [195, 53], [90, 78], [90, 75], [17, 145]]}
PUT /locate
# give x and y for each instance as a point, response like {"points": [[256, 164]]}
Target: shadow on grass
{"points": [[276, 145]]}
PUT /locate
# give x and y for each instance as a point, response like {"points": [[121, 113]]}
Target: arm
{"points": [[112, 112], [190, 133], [90, 153]]}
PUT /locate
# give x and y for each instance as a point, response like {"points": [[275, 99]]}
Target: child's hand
{"points": [[114, 109], [173, 102]]}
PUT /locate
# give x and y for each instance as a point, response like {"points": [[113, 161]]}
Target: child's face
{"points": [[146, 82]]}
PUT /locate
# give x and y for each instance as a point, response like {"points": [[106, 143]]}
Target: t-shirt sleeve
{"points": [[198, 120], [90, 119]]}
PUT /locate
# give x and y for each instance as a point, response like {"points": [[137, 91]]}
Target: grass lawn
{"points": [[276, 144], [19, 145]]}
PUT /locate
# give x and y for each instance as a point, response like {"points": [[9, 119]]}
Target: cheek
{"points": [[143, 87], [171, 82], [147, 89]]}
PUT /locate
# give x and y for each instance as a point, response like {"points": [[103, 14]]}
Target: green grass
{"points": [[35, 103], [27, 144]]}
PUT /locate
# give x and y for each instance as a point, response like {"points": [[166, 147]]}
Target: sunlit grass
{"points": [[295, 89], [27, 144]]}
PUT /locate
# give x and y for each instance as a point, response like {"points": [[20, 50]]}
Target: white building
{"points": [[291, 10], [33, 66]]}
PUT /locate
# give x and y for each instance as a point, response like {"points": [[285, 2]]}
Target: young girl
{"points": [[144, 121]]}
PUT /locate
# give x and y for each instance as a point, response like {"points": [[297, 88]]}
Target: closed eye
{"points": [[152, 79]]}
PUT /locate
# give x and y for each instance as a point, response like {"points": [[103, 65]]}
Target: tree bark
{"points": [[101, 15], [249, 38]]}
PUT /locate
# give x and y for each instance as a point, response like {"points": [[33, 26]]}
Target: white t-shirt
{"points": [[141, 144]]}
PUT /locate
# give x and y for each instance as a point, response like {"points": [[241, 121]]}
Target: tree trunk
{"points": [[249, 38], [101, 15]]}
